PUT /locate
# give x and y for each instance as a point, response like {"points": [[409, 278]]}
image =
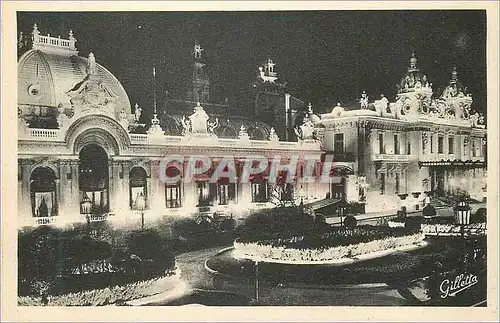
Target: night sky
{"points": [[324, 56]]}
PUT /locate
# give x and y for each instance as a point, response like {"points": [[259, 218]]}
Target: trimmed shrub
{"points": [[350, 221]]}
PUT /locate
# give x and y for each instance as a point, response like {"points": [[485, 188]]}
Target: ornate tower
{"points": [[201, 84], [414, 91]]}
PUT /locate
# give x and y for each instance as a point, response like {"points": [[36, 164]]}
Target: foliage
{"points": [[61, 260], [105, 296], [429, 211], [350, 221], [279, 222], [413, 222], [337, 237]]}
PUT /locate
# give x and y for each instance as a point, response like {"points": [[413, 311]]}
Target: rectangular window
{"points": [[287, 192], [408, 148], [382, 183], [207, 192], [397, 183], [473, 147], [226, 193], [173, 198], [338, 143], [381, 146], [451, 145], [396, 145], [259, 191], [440, 145]]}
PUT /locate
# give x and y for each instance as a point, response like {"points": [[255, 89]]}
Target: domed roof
{"points": [[52, 75]]}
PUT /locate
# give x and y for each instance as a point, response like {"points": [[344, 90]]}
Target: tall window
{"points": [[259, 190], [473, 147], [396, 145], [440, 145], [338, 143], [43, 192], [137, 186], [207, 192], [451, 145], [226, 192], [431, 139], [287, 192], [381, 146], [382, 183], [408, 148], [173, 191], [397, 183]]}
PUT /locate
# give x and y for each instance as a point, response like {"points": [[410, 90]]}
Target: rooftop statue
{"points": [[306, 130], [363, 102], [198, 120]]}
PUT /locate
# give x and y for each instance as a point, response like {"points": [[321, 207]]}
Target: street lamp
{"points": [[87, 208], [301, 194], [341, 210], [462, 217], [256, 280], [141, 205]]}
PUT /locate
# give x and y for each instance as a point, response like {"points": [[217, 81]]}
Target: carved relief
{"points": [[92, 95]]}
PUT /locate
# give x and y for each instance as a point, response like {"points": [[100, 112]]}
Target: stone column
{"points": [[156, 187], [24, 207], [114, 186]]}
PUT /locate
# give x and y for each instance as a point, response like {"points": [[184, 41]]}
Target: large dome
{"points": [[52, 75]]}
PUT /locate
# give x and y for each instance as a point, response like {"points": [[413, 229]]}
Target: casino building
{"points": [[81, 140], [398, 153]]}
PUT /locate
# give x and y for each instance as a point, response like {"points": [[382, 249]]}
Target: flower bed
{"points": [[454, 229], [273, 252], [108, 295]]}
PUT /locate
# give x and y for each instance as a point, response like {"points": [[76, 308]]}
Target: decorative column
{"points": [[157, 189], [114, 188], [24, 206]]}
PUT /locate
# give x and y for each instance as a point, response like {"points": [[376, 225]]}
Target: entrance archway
{"points": [[93, 179]]}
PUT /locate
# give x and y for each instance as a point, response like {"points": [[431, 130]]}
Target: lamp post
{"points": [[462, 217], [342, 209], [301, 195], [256, 280], [141, 205], [87, 209]]}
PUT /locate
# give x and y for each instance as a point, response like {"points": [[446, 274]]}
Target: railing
{"points": [[213, 141], [45, 220], [44, 133], [56, 41], [138, 138], [98, 217], [391, 157]]}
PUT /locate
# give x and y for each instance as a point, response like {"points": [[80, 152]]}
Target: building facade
{"points": [[81, 140], [398, 153], [78, 142]]}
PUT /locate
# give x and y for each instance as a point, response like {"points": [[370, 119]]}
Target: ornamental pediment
{"points": [[92, 95]]}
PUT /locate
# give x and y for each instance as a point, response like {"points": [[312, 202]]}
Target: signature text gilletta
{"points": [[460, 283]]}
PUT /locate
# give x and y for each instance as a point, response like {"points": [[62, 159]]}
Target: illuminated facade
{"points": [[79, 141], [398, 153]]}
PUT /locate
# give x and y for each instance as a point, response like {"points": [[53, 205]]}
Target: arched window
{"points": [[93, 178], [137, 186], [43, 192], [173, 191]]}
